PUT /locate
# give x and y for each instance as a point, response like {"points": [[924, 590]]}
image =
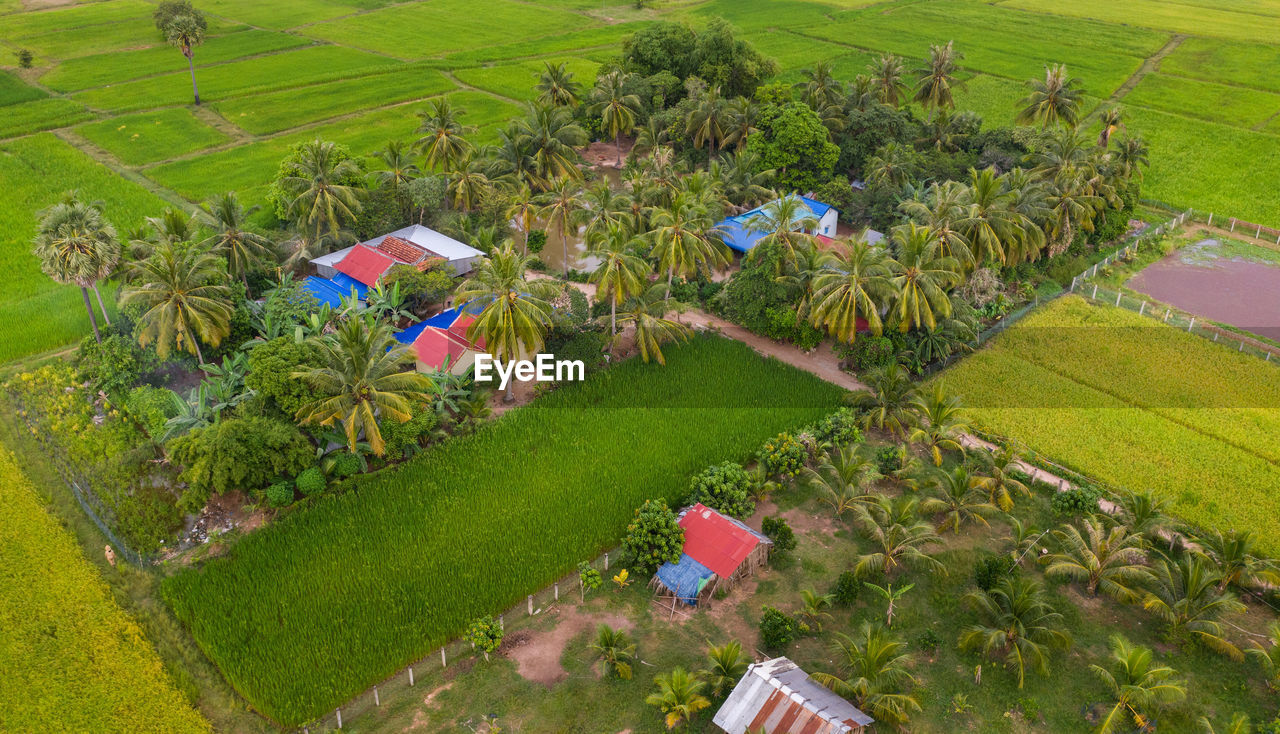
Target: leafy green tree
{"points": [[616, 106], [271, 368], [724, 488], [1017, 624], [679, 696], [1108, 560], [726, 664], [75, 244], [1137, 685], [183, 298], [616, 651], [485, 634], [185, 32], [654, 537], [777, 629], [420, 288], [167, 10], [232, 238], [1184, 596], [237, 453], [1053, 101], [874, 674], [793, 142]]}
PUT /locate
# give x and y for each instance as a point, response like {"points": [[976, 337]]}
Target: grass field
{"points": [[515, 80], [385, 572], [1203, 18], [73, 660], [151, 136], [1125, 399]]}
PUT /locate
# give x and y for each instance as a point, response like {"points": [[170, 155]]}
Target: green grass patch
{"points": [[37, 171], [1200, 19], [609, 36], [78, 662], [21, 25], [1248, 64], [56, 34], [1138, 404], [756, 15], [516, 81], [411, 555], [272, 112], [13, 90], [152, 136], [85, 72], [429, 29], [266, 73], [793, 51], [277, 16], [1236, 106], [41, 114]]}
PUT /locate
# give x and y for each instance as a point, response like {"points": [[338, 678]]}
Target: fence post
{"points": [[1241, 349], [1191, 325], [1118, 294], [1143, 308], [339, 718], [1095, 292], [376, 701], [443, 662], [606, 561], [1073, 284], [410, 676], [1259, 233], [1278, 239], [1210, 219], [531, 604], [1268, 356], [1233, 225], [557, 587], [1215, 336], [1166, 316]]}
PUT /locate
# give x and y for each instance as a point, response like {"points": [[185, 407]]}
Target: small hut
{"points": [[777, 697], [719, 551]]}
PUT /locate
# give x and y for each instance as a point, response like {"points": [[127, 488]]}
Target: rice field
{"points": [[514, 81], [1229, 62], [387, 571], [152, 136], [1229, 105], [1137, 404], [73, 660], [1245, 21]]}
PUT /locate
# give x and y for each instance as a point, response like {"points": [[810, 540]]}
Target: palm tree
{"points": [[938, 79], [1024, 539], [840, 475], [941, 422], [850, 284], [184, 300], [1112, 119], [679, 696], [888, 404], [1239, 724], [921, 277], [398, 168], [727, 664], [517, 312], [468, 182], [1054, 101], [562, 208], [708, 121], [615, 649], [552, 137], [442, 142], [742, 113], [1269, 656], [319, 201], [1108, 560], [874, 674], [1240, 564], [231, 237], [681, 242], [942, 209], [887, 73], [1018, 624], [1131, 155], [1136, 684], [1145, 513], [785, 223], [745, 186], [604, 206], [648, 312], [650, 136], [894, 164], [813, 608], [897, 535], [1184, 597], [620, 274], [362, 380], [989, 226], [185, 32], [819, 87], [616, 106], [998, 479], [77, 245], [959, 499], [556, 86]]}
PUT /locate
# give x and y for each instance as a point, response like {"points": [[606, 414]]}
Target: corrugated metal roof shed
{"points": [[365, 264], [718, 542], [780, 698]]}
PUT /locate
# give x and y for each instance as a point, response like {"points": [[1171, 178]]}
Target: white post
{"points": [[557, 586], [1233, 225], [1118, 294], [1259, 232], [1278, 239], [531, 604], [606, 561], [502, 623], [443, 663], [1191, 325], [1143, 308], [1241, 349], [1095, 292], [376, 701], [1073, 285], [1215, 336], [1268, 356], [410, 676], [339, 718], [1210, 219]]}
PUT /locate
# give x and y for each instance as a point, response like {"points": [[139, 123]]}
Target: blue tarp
{"points": [[685, 579], [325, 291], [345, 283], [442, 320]]}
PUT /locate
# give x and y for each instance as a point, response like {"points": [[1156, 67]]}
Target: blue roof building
{"points": [[735, 234]]}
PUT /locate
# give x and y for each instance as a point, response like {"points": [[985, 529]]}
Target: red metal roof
{"points": [[714, 541], [434, 347], [459, 329], [402, 250], [365, 264]]}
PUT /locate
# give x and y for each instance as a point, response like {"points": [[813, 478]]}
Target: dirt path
{"points": [[537, 653], [1150, 65]]}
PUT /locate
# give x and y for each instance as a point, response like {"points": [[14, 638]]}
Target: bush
{"points": [[654, 537], [928, 641], [404, 439], [152, 407], [114, 365], [420, 288], [783, 455], [868, 353], [345, 465], [846, 589], [724, 488], [839, 428], [589, 577], [537, 240], [486, 634], [280, 494], [587, 346], [987, 571], [271, 368], [1079, 500], [237, 453], [888, 459], [777, 530], [777, 629], [25, 58], [311, 482]]}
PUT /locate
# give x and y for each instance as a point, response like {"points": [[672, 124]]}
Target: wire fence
{"points": [[1232, 225]]}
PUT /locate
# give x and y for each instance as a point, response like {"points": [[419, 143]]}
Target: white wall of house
{"points": [[827, 225]]}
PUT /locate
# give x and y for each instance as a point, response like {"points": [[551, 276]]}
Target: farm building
{"points": [[718, 552], [360, 266], [440, 342], [735, 234], [777, 697]]}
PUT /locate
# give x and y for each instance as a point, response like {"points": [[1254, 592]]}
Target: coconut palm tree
{"points": [[1238, 559], [556, 86], [742, 113], [647, 312], [517, 312], [621, 274], [887, 77], [818, 86], [1136, 684], [1145, 513], [185, 32], [1018, 624], [75, 244], [786, 223], [183, 297], [1131, 154], [987, 224], [897, 535], [1269, 656], [443, 140], [998, 477], [1111, 561], [744, 185], [874, 674], [679, 696], [398, 168], [1239, 724], [941, 422], [708, 121], [894, 164], [726, 666], [616, 650], [468, 182], [1185, 598], [522, 209], [605, 206], [840, 475], [937, 79], [650, 136], [231, 238], [362, 379], [920, 277], [616, 106], [1054, 101], [887, 406], [683, 243], [813, 608], [562, 208], [942, 208], [319, 201], [849, 284], [957, 496], [1112, 119], [552, 137]]}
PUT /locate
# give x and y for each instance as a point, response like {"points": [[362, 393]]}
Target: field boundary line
{"points": [[105, 158], [1149, 65]]}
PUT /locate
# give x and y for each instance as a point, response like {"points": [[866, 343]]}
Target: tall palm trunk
{"points": [[93, 320], [613, 316], [191, 64], [617, 145], [98, 293], [199, 354], [564, 243]]}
